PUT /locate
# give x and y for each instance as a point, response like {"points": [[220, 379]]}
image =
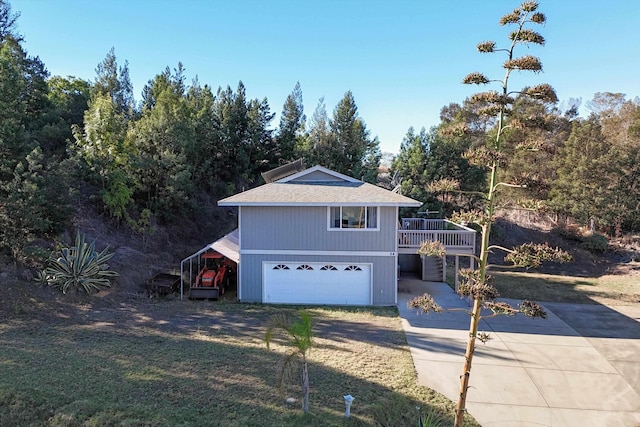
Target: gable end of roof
{"points": [[323, 170]]}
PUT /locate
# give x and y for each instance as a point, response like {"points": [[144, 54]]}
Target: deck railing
{"points": [[455, 237]]}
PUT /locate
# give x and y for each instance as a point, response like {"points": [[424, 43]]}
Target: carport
{"points": [[227, 246]]}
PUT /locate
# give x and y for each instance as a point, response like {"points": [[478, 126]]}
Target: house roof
{"points": [[318, 186]]}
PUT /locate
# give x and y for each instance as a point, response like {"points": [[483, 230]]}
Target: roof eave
{"points": [[392, 204]]}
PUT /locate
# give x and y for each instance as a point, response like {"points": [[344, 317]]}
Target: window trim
{"points": [[366, 221]]}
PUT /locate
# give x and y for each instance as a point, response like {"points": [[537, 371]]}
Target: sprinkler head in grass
{"points": [[348, 399]]}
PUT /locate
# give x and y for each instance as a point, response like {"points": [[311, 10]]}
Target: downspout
{"points": [[396, 258]]}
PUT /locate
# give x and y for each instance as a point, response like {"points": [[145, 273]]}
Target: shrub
{"points": [[596, 243], [35, 256], [78, 267], [569, 233]]}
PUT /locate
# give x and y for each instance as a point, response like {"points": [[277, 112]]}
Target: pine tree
{"points": [[161, 140], [114, 80], [24, 107], [291, 126], [410, 164], [69, 99], [314, 147], [345, 146]]}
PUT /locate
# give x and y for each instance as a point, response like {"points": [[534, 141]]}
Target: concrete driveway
{"points": [[579, 367]]}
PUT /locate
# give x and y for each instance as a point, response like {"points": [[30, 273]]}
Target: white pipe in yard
{"points": [[348, 400]]}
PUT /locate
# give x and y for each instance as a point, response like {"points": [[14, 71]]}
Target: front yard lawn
{"points": [[202, 363]]}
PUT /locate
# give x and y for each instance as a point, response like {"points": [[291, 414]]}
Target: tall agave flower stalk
{"points": [[477, 283]]}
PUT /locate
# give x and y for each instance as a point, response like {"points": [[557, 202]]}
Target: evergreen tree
{"points": [[13, 139], [371, 161], [23, 210], [24, 106], [586, 184], [231, 112], [8, 21], [438, 156], [291, 126], [597, 170], [342, 143], [206, 154], [544, 129], [101, 146], [314, 147], [69, 99], [162, 139], [114, 80], [263, 152], [348, 138], [410, 165]]}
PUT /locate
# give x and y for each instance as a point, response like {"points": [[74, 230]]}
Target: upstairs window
{"points": [[353, 218]]}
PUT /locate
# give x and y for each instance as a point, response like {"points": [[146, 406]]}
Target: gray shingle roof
{"points": [[318, 193]]}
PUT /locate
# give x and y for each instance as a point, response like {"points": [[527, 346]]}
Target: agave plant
{"points": [[79, 267]]}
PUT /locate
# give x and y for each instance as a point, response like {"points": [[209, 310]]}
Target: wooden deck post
{"points": [[444, 268], [457, 268]]}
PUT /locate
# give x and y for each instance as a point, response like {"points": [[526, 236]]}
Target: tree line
{"points": [[155, 158], [584, 169], [65, 139]]}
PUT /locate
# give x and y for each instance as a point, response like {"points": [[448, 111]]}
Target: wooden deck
{"points": [[457, 239]]}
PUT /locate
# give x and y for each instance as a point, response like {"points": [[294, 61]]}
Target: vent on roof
{"points": [[282, 171]]}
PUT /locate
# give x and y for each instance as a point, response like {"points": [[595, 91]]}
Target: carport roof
{"points": [[227, 245]]}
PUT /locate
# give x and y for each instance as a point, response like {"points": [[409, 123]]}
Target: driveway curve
{"points": [[579, 367]]}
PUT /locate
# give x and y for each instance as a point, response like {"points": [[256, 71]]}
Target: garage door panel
{"points": [[317, 283]]}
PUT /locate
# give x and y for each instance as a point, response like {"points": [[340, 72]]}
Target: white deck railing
{"points": [[455, 237]]}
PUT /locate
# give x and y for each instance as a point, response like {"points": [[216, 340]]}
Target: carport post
{"points": [[181, 278]]}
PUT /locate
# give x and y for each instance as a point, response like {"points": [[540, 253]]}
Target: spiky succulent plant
{"points": [[79, 267]]}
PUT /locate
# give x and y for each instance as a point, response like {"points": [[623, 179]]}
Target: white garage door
{"points": [[317, 283]]}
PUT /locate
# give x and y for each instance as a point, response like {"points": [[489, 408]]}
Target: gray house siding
{"points": [[305, 228], [383, 273]]}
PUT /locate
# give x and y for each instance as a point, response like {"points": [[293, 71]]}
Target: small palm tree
{"points": [[298, 333]]}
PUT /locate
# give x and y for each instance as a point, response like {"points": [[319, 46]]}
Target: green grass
{"points": [[203, 364]]}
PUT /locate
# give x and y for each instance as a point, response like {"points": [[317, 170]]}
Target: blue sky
{"points": [[403, 60]]}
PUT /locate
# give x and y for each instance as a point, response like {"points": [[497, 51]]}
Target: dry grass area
{"points": [[608, 289], [127, 361], [621, 286]]}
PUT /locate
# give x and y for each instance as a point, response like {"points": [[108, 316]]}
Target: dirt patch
{"points": [[512, 229]]}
